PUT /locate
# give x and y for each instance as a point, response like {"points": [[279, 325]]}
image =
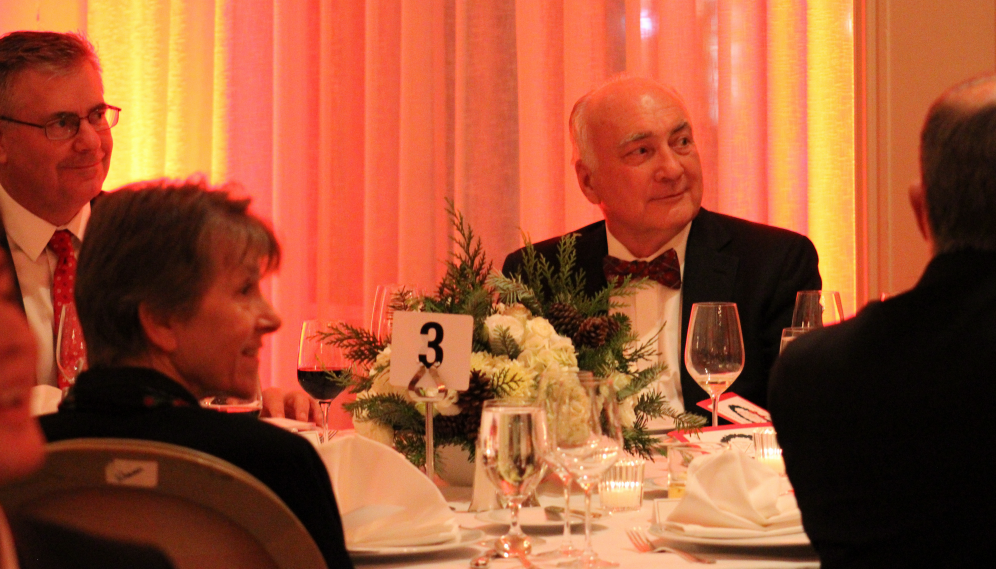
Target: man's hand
{"points": [[293, 404]]}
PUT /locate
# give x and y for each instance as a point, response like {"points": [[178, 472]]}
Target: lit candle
{"points": [[621, 495], [772, 458]]}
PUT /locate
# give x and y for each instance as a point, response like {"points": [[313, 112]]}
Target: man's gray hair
{"points": [[958, 166], [51, 51]]}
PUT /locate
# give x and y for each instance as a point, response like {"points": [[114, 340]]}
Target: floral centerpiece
{"points": [[533, 332]]}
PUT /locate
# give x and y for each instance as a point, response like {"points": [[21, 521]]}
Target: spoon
{"points": [[484, 560]]}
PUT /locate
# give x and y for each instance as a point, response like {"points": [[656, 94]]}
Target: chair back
{"points": [[200, 510]]}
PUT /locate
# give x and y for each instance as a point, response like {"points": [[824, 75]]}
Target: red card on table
{"points": [[738, 410]]}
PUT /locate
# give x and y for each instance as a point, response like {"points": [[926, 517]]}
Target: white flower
{"points": [[512, 325]]}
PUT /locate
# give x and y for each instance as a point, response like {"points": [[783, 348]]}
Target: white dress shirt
{"points": [[34, 262], [651, 308]]}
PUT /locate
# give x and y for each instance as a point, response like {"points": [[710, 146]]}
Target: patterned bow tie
{"points": [[664, 269]]}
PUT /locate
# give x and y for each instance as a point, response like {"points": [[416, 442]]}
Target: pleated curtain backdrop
{"points": [[351, 122]]}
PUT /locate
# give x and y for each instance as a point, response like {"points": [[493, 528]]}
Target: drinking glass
{"points": [[387, 299], [816, 309], [588, 442], [714, 349], [70, 353], [512, 444], [559, 436], [789, 335], [320, 369]]}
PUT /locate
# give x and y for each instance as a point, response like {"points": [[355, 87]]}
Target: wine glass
{"points": [[387, 299], [816, 309], [512, 444], [789, 335], [588, 443], [70, 353], [555, 432], [714, 349], [321, 369]]}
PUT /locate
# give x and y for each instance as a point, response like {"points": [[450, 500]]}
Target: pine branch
{"points": [[359, 344], [389, 409], [505, 344]]}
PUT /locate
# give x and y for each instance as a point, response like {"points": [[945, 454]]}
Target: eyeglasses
{"points": [[68, 124]]}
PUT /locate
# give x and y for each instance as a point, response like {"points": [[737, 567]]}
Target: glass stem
{"points": [[566, 547], [715, 410], [589, 551], [324, 405], [515, 529]]}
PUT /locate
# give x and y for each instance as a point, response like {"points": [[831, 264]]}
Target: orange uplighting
{"points": [[830, 103]]}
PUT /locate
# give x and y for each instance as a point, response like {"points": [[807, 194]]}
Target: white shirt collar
{"points": [[679, 242], [32, 233]]}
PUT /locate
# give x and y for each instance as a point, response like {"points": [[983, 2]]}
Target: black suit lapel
{"points": [[709, 276], [592, 246]]}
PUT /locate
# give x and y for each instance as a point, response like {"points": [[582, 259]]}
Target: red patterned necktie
{"points": [[664, 269], [62, 285]]}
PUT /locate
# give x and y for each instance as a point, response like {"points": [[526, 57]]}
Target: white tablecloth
{"points": [[609, 539]]}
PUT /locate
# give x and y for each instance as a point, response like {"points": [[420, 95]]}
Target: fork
{"points": [[643, 544]]}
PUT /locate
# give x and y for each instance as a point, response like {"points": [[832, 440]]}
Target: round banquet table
{"points": [[609, 539]]}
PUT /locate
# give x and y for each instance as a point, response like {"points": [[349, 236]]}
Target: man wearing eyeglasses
{"points": [[55, 149]]}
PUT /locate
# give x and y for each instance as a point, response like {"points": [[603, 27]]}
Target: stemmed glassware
{"points": [[816, 309], [512, 444], [70, 353], [555, 430], [588, 443], [320, 369], [387, 299], [714, 349]]}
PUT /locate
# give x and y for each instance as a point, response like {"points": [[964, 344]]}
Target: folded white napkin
{"points": [[730, 495], [45, 399], [383, 499]]}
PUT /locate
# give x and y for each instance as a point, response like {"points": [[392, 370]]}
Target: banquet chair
{"points": [[203, 512]]}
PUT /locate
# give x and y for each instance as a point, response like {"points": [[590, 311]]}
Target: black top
{"points": [[140, 403], [886, 424]]}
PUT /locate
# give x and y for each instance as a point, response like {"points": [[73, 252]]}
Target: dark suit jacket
{"points": [[887, 424], [727, 260], [42, 545], [140, 403]]}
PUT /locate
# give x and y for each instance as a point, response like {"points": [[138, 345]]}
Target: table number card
{"points": [[738, 410], [424, 339]]}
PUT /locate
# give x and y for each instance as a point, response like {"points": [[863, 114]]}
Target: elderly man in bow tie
{"points": [[635, 157]]}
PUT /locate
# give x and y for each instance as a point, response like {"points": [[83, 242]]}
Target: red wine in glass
{"points": [[322, 384]]}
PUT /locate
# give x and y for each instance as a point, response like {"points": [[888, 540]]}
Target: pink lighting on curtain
{"points": [[350, 123]]}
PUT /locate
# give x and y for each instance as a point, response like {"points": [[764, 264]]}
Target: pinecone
{"points": [[592, 332], [564, 318]]}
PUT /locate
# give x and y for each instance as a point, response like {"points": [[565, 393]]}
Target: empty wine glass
{"points": [[714, 349], [789, 335], [512, 443], [816, 309], [555, 430], [70, 353], [322, 369], [387, 299], [588, 442]]}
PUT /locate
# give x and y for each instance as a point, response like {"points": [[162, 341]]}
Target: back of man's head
{"points": [[49, 51], [958, 166]]}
